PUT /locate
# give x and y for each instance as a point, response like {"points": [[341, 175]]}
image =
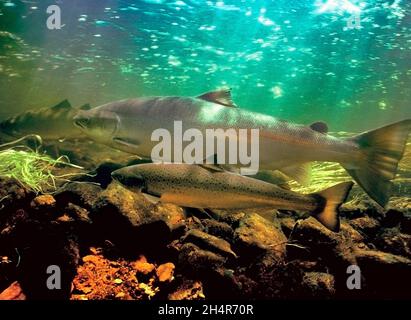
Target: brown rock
{"points": [[287, 225], [390, 240], [256, 235], [81, 194], [165, 272], [351, 233], [188, 290], [218, 229], [319, 284], [322, 242], [209, 242], [195, 259], [13, 292], [386, 275], [366, 225]]}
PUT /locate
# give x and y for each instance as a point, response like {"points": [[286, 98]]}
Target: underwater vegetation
{"points": [[30, 168]]}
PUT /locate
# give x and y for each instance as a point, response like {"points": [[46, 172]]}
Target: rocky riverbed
{"points": [[110, 243]]}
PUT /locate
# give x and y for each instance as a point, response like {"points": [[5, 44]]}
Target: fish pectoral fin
{"points": [[211, 167], [211, 164], [273, 177], [300, 173], [222, 97], [65, 104], [153, 199], [126, 142]]}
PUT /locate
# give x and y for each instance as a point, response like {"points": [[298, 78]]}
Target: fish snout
{"points": [[82, 121]]}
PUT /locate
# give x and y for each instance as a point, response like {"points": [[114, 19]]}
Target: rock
{"points": [[188, 290], [360, 206], [13, 292], [78, 213], [315, 242], [143, 267], [43, 201], [287, 225], [100, 278], [129, 220], [82, 194], [386, 275], [12, 194], [194, 259], [366, 226], [350, 233], [319, 240], [232, 218], [392, 218], [165, 272], [319, 285], [218, 229], [209, 242], [173, 216], [255, 236], [405, 225], [391, 240]]}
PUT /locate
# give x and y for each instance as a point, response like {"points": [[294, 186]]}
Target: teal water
{"points": [[299, 60]]}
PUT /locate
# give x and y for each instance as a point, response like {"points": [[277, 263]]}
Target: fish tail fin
{"points": [[330, 201], [381, 150]]}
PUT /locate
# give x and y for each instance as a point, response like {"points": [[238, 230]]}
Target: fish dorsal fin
{"points": [[300, 173], [222, 97], [85, 106], [319, 126], [62, 105]]}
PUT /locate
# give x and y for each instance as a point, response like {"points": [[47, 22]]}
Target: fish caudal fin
{"points": [[331, 199], [381, 149]]}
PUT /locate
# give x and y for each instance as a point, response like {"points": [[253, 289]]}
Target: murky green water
{"points": [[345, 62]]}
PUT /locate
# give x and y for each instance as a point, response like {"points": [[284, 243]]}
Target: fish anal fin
{"points": [[300, 173], [222, 97]]}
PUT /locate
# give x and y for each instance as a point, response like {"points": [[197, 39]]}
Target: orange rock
{"points": [[45, 200], [165, 272], [142, 266], [13, 292]]}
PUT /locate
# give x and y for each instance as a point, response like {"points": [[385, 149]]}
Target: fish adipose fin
{"points": [[320, 127], [222, 97], [332, 198], [381, 149], [86, 106], [300, 173]]}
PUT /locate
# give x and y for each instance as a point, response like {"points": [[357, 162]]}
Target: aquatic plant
{"points": [[32, 169]]}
